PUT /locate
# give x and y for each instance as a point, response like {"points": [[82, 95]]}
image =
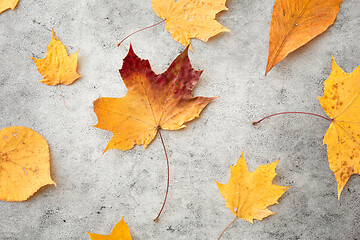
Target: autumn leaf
{"points": [[8, 4], [57, 67], [296, 22], [24, 163], [152, 102], [186, 19], [341, 102], [121, 231], [248, 194]]}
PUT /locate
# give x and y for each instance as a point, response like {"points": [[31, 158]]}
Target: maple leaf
{"points": [[8, 4], [296, 22], [121, 231], [248, 195], [152, 102], [341, 102], [24, 163], [186, 19], [57, 67]]}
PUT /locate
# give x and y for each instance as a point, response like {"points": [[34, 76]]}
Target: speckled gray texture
{"points": [[94, 191]]}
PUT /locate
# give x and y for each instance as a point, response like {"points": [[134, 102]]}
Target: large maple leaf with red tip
{"points": [[153, 102]]}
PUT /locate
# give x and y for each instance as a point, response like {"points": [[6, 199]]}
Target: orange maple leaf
{"points": [[24, 163], [296, 22], [8, 4], [121, 231], [341, 102], [186, 19], [152, 102], [57, 67]]}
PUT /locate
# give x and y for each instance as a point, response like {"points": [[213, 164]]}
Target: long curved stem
{"points": [[138, 31], [63, 96], [168, 177], [227, 227], [281, 113]]}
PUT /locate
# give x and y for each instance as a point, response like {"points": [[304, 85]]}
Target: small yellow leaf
{"points": [[121, 231], [57, 67], [247, 194], [7, 4], [341, 102], [186, 19], [24, 163]]}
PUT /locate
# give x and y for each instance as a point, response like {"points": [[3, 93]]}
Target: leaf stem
{"points": [[62, 96], [281, 113], [168, 177], [227, 227], [138, 31]]}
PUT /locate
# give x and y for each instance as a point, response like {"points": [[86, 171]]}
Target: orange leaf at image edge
{"points": [[296, 22]]}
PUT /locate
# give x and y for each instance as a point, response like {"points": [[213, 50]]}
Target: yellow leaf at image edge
{"points": [[7, 4], [57, 67], [24, 163], [121, 231], [186, 19], [247, 194], [341, 102]]}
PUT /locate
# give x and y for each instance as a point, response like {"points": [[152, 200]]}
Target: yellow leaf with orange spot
{"points": [[8, 4], [186, 19], [341, 102], [153, 102], [57, 67], [248, 194], [24, 163], [121, 231]]}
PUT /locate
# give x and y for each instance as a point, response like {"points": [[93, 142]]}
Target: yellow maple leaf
{"points": [[186, 19], [152, 102], [57, 67], [121, 231], [341, 102], [24, 163], [7, 4], [248, 195]]}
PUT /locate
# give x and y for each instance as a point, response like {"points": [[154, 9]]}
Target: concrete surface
{"points": [[94, 191]]}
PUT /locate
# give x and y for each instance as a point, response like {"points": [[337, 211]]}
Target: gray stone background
{"points": [[95, 191]]}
